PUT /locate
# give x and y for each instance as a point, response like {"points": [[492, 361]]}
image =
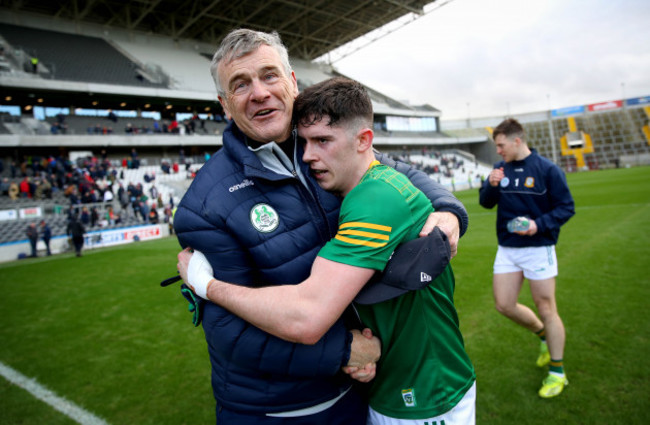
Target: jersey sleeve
{"points": [[374, 219]]}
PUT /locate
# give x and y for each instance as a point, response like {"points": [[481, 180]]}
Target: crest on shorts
{"points": [[264, 218]]}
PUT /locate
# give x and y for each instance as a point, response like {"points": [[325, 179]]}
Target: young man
{"points": [[527, 185], [260, 219], [424, 374]]}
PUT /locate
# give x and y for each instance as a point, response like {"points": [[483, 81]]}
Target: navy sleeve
{"points": [[562, 205], [441, 198], [488, 196]]}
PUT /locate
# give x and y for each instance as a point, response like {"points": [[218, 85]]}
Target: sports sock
{"points": [[541, 334], [556, 367]]}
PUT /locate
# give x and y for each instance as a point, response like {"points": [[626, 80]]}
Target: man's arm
{"points": [[299, 313], [441, 199]]}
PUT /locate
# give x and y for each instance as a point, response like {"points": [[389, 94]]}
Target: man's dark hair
{"points": [[341, 99], [510, 128]]}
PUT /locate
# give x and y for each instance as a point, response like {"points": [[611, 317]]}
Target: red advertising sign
{"points": [[605, 106]]}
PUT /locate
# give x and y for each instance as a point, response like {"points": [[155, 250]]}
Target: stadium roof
{"points": [[308, 28]]}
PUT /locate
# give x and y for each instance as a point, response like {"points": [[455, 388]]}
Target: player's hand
{"points": [[532, 229], [364, 374], [365, 349], [495, 177], [195, 270], [448, 223]]}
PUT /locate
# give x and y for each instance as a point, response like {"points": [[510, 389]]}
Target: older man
{"points": [[257, 214]]}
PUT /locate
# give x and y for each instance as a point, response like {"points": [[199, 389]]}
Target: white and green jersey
{"points": [[424, 370]]}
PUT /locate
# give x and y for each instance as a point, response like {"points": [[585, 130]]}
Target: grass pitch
{"points": [[101, 332]]}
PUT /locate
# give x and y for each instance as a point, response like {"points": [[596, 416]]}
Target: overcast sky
{"points": [[491, 58]]}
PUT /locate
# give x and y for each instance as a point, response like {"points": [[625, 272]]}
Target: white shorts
{"points": [[464, 413], [537, 262]]}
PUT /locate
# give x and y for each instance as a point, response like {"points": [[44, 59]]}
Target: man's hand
{"points": [[195, 270], [495, 177], [532, 229], [448, 223], [364, 354]]}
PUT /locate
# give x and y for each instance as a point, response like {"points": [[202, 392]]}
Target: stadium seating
{"points": [[77, 58]]}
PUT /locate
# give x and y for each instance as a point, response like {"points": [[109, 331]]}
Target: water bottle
{"points": [[518, 224]]}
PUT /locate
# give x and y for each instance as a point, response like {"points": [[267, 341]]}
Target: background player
{"points": [[525, 184]]}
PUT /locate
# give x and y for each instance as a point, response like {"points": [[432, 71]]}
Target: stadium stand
{"points": [[99, 68], [72, 57]]}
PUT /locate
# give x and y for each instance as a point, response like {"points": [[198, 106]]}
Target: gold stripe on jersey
{"points": [[361, 233], [366, 225], [360, 242], [365, 237]]}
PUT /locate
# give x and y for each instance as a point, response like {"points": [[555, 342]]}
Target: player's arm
{"points": [[488, 194], [563, 207], [299, 313]]}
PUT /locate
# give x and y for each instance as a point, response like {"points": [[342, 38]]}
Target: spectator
{"points": [[94, 216], [4, 186], [47, 235], [32, 235], [25, 188], [14, 191], [85, 216], [153, 216], [76, 230]]}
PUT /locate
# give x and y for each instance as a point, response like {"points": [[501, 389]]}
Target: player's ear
{"points": [[365, 137]]}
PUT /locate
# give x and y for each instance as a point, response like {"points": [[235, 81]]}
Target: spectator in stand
{"points": [[144, 210], [32, 235], [85, 215], [46, 235], [24, 188], [94, 216], [108, 194], [110, 215], [111, 115], [4, 186], [173, 127], [14, 191], [153, 216]]}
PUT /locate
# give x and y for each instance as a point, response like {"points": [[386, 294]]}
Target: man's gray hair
{"points": [[239, 43]]}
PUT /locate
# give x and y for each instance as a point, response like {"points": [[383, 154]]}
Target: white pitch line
{"points": [[64, 406]]}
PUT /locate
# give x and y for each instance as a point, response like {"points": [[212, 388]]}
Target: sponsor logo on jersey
{"points": [[409, 397], [505, 182], [424, 277], [529, 182], [519, 170], [241, 185], [264, 218]]}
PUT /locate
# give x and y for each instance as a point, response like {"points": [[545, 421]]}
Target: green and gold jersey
{"points": [[424, 370]]}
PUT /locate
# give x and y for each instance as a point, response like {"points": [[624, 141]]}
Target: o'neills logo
{"points": [[241, 185], [264, 218]]}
